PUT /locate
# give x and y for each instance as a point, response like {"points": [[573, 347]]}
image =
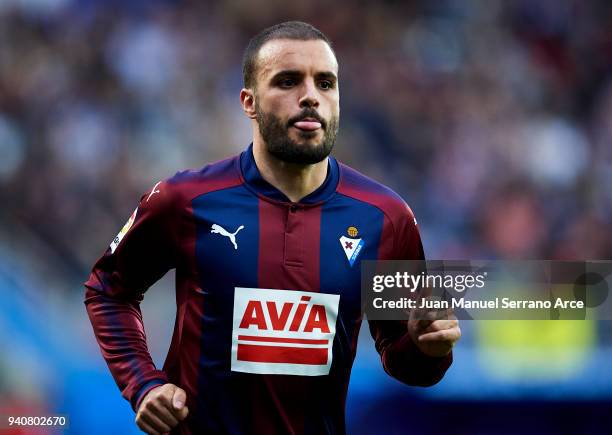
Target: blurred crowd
{"points": [[493, 119]]}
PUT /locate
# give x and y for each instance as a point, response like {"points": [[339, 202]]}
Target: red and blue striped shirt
{"points": [[267, 292]]}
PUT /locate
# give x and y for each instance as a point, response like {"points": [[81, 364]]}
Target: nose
{"points": [[309, 96]]}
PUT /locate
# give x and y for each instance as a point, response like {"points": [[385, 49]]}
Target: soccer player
{"points": [[266, 247]]}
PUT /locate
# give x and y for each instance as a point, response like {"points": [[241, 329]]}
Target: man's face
{"points": [[297, 99]]}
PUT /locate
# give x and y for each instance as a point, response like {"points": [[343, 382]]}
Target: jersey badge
{"points": [[351, 246], [123, 231]]}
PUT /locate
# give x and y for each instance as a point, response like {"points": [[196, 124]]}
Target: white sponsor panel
{"points": [[287, 332]]}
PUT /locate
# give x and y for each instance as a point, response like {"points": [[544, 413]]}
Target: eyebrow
{"points": [[296, 73]]}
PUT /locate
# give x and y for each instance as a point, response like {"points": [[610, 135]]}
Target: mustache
{"points": [[307, 113]]}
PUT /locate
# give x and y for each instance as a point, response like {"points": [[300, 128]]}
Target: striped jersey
{"points": [[268, 296]]}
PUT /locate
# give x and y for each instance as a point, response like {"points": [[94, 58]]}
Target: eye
{"points": [[326, 84], [286, 82]]}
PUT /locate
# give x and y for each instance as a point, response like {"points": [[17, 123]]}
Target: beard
{"points": [[275, 134]]}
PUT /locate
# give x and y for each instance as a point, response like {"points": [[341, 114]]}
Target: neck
{"points": [[294, 180]]}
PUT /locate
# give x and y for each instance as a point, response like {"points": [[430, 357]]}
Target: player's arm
{"points": [[418, 351], [143, 252]]}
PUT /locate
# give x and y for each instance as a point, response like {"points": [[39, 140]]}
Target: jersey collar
{"points": [[256, 182]]}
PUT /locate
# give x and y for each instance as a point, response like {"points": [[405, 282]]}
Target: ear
{"points": [[247, 99]]}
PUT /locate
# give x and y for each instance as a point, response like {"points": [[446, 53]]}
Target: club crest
{"points": [[350, 245]]}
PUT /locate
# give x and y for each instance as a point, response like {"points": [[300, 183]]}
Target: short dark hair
{"points": [[287, 30]]}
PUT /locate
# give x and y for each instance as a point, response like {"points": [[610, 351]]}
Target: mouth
{"points": [[307, 124]]}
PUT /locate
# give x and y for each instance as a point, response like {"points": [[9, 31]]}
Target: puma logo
{"points": [[218, 229]]}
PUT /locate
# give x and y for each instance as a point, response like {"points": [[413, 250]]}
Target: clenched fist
{"points": [[434, 332], [162, 409]]}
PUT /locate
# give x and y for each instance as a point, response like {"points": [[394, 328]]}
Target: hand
{"points": [[434, 336], [162, 409]]}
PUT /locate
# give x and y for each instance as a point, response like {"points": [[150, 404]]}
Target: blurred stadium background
{"points": [[492, 118]]}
